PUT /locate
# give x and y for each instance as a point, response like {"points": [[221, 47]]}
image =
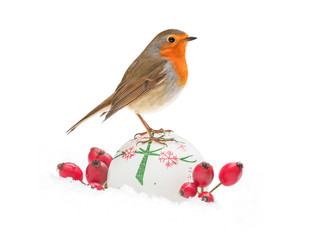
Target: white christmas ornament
{"points": [[154, 168]]}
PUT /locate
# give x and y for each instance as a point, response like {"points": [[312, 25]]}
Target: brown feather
{"points": [[97, 109], [128, 91]]}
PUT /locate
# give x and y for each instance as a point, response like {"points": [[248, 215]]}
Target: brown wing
{"points": [[139, 79]]}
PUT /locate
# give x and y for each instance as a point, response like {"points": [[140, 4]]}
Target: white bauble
{"points": [[154, 168]]}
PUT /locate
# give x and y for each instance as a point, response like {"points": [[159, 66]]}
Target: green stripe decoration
{"points": [[140, 173], [146, 152]]}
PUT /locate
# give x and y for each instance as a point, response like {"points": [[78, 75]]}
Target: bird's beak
{"points": [[190, 38]]}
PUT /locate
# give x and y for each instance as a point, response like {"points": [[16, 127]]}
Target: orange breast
{"points": [[176, 54]]}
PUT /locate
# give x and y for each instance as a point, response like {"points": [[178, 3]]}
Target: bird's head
{"points": [[168, 43]]}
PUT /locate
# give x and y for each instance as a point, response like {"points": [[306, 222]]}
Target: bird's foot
{"points": [[162, 131], [153, 132], [159, 140]]}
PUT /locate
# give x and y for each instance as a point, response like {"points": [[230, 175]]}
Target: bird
{"points": [[153, 80]]}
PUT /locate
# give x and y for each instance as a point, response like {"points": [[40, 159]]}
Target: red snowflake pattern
{"points": [[182, 147], [129, 153], [168, 158]]}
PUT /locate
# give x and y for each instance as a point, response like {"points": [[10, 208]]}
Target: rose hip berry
{"points": [[98, 153], [97, 172], [94, 152], [203, 174], [206, 197], [70, 170], [188, 189], [230, 173], [96, 185], [105, 158]]}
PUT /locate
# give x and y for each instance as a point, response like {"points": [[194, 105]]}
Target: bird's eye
{"points": [[171, 39]]}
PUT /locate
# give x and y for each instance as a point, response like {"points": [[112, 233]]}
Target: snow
{"points": [[250, 97], [126, 213]]}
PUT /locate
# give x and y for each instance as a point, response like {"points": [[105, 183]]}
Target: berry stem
{"points": [[215, 187]]}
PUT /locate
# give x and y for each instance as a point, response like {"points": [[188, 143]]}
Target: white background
{"points": [[251, 97]]}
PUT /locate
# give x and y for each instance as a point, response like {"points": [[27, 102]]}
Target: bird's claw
{"points": [[161, 130], [157, 140]]}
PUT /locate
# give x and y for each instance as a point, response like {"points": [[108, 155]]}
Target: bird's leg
{"points": [[151, 133], [147, 127]]}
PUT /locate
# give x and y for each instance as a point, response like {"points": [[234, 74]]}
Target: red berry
{"points": [[70, 170], [96, 185], [188, 189], [98, 153], [105, 158], [203, 174], [97, 172], [206, 197], [230, 173], [94, 152]]}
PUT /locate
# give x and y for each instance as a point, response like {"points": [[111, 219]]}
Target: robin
{"points": [[151, 82]]}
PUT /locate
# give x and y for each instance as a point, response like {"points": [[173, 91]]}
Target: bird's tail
{"points": [[101, 107]]}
